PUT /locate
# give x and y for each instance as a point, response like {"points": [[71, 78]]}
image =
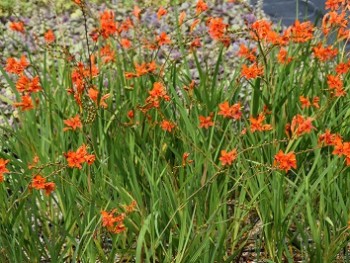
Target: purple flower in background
{"points": [[250, 18]]}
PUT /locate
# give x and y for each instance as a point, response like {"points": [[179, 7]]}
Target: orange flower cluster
{"points": [[335, 83], [3, 169], [28, 85], [232, 112], [39, 183], [167, 125], [17, 67], [260, 30], [282, 57], [80, 77], [141, 69], [137, 12], [157, 93], [93, 95], [17, 26], [108, 26], [182, 17], [107, 54], [201, 6], [49, 36], [285, 161], [161, 12], [301, 125], [300, 32], [252, 71], [216, 28], [342, 68], [114, 221], [125, 43], [245, 52], [185, 160], [25, 85], [324, 53], [256, 124], [163, 39], [206, 122], [334, 4], [337, 18], [340, 149], [305, 102], [76, 159], [227, 158], [73, 123]]}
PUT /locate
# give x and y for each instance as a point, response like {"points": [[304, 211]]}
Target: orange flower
{"points": [[216, 28], [327, 138], [228, 111], [341, 149], [125, 43], [256, 124], [76, 159], [107, 54], [305, 102], [196, 43], [38, 182], [130, 114], [252, 72], [282, 57], [301, 125], [201, 6], [159, 91], [167, 125], [245, 52], [49, 36], [49, 187], [227, 158], [335, 83], [93, 94], [324, 53], [3, 169], [182, 17], [90, 159], [342, 68], [17, 26], [113, 221], [25, 84], [25, 104], [184, 159], [34, 162], [131, 207], [285, 161], [163, 39], [16, 67], [137, 12], [107, 24], [73, 123], [194, 24], [206, 122], [300, 32], [333, 4], [161, 12], [260, 29], [315, 102]]}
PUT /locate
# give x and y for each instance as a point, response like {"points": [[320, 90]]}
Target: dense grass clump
{"points": [[172, 135]]}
